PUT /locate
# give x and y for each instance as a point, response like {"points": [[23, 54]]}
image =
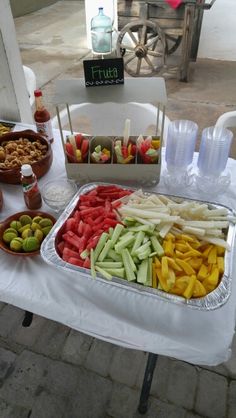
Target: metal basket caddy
{"points": [[151, 31]]}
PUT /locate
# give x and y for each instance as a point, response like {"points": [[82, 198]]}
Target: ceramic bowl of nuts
{"points": [[23, 147], [23, 233]]}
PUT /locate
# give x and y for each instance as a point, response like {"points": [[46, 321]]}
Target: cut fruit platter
{"points": [[172, 247]]}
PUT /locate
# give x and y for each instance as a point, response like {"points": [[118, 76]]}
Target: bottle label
{"points": [[30, 189], [45, 129]]}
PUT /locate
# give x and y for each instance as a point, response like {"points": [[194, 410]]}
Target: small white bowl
{"points": [[58, 193]]}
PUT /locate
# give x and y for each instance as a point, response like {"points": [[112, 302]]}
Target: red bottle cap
{"points": [[37, 93]]}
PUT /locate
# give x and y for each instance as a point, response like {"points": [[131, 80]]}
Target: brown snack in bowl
{"points": [[15, 153]]}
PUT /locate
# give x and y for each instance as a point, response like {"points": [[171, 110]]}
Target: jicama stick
{"points": [[126, 132], [204, 224]]}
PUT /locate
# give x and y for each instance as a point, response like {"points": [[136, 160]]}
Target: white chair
{"points": [[92, 116], [30, 80], [227, 120], [109, 119]]}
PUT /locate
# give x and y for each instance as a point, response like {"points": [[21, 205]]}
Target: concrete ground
{"points": [[51, 371]]}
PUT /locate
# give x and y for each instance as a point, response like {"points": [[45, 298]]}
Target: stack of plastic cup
{"points": [[180, 146], [212, 176]]}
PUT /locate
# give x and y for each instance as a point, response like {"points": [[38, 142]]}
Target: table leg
{"points": [[147, 381], [28, 318]]}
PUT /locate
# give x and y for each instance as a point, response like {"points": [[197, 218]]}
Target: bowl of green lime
{"points": [[23, 233]]}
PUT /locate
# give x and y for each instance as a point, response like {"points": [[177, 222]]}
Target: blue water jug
{"points": [[101, 31]]}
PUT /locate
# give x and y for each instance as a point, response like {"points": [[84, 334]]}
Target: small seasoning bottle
{"points": [[42, 117], [32, 195]]}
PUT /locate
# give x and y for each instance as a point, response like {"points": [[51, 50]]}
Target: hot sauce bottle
{"points": [[42, 117], [32, 195]]}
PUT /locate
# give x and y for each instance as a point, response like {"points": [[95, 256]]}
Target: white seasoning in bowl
{"points": [[59, 193]]}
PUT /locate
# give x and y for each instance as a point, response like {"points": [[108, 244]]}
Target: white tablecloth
{"points": [[113, 314]]}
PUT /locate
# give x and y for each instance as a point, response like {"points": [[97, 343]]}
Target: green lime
{"points": [[27, 233], [11, 230], [16, 244], [46, 230], [35, 226], [45, 222], [31, 244], [25, 219], [37, 219], [9, 236], [39, 235], [23, 228], [16, 225]]}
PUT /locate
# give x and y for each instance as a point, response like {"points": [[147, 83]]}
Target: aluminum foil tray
{"points": [[213, 300]]}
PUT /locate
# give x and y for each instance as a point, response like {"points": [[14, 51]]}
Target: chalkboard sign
{"points": [[103, 72]]}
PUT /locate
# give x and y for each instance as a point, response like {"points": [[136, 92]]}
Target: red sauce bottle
{"points": [[42, 117], [32, 195]]}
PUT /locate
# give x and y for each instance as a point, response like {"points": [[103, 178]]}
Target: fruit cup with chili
{"points": [[149, 149], [125, 152], [101, 150], [77, 148]]}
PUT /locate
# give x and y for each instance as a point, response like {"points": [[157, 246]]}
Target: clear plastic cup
{"points": [[180, 146], [214, 151], [212, 176]]}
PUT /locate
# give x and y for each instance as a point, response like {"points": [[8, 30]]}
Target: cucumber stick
{"points": [[125, 236], [109, 264], [123, 244], [143, 272], [84, 254], [129, 221], [143, 248], [112, 254], [130, 275], [144, 254], [102, 240], [144, 275], [145, 239], [157, 246], [138, 241], [149, 275], [104, 273], [127, 252], [116, 272], [93, 272], [105, 250], [144, 228], [131, 261], [116, 233]]}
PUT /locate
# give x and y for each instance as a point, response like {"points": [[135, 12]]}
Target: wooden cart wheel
{"points": [[143, 47], [172, 43]]}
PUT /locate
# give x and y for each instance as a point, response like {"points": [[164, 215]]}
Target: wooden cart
{"points": [[150, 31]]}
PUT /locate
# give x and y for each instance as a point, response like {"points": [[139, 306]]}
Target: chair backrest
{"points": [[30, 80], [98, 110], [109, 119], [227, 120]]}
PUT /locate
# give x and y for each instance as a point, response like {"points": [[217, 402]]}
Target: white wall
{"points": [[14, 100], [218, 34]]}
